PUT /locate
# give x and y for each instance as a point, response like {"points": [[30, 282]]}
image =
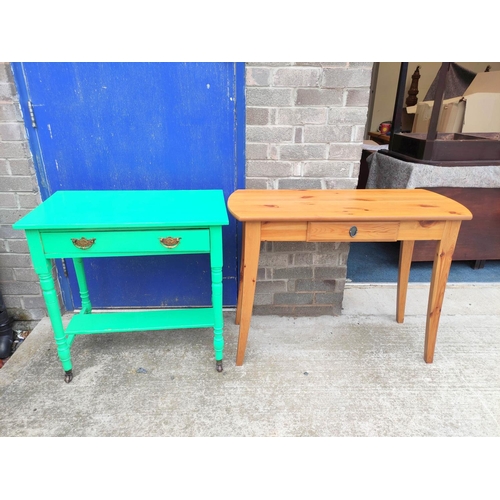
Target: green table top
{"points": [[128, 210]]}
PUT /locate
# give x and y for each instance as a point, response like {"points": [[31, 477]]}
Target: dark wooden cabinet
{"points": [[479, 238]]}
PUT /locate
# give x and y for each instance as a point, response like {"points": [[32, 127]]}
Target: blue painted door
{"points": [[138, 126]]}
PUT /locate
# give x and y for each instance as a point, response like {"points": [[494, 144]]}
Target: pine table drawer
{"points": [[134, 242], [352, 231]]}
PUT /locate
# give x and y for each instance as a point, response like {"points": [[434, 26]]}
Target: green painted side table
{"points": [[79, 224]]}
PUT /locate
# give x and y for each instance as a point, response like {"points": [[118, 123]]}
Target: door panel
{"points": [[138, 126]]}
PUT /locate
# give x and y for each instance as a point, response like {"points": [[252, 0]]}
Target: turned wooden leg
{"points": [[439, 278], [251, 252], [82, 285], [50, 295], [216, 270], [405, 255], [43, 267]]}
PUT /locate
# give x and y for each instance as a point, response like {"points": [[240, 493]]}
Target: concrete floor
{"points": [[359, 374]]}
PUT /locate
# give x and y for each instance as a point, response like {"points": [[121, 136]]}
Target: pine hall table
{"points": [[404, 215], [80, 224]]}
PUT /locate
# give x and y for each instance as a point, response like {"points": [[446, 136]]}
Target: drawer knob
{"points": [[83, 243], [170, 242], [353, 231]]}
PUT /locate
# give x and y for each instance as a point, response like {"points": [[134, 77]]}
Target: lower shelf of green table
{"points": [[165, 319], [140, 321]]}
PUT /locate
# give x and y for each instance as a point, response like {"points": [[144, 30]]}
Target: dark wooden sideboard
{"points": [[479, 238]]}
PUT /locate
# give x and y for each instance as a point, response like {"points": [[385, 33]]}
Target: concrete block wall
{"points": [[304, 130], [19, 193]]}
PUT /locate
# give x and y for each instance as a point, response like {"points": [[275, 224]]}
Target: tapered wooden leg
{"points": [[251, 252], [82, 285], [240, 286], [439, 278], [405, 255]]}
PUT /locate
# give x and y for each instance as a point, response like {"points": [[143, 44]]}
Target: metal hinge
{"points": [[32, 114], [65, 269]]}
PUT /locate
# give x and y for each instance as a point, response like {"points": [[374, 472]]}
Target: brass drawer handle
{"points": [[170, 242], [83, 243]]}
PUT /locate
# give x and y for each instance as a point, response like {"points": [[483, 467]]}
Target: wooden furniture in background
{"points": [[446, 149], [363, 169], [479, 191], [379, 138], [412, 99], [349, 216], [479, 238]]}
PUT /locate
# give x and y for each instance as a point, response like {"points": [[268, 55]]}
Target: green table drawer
{"points": [[101, 243]]}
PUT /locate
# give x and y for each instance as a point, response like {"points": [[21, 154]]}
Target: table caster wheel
{"points": [[68, 377], [218, 365]]}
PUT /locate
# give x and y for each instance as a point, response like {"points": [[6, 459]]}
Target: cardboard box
{"points": [[478, 110], [451, 118]]}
